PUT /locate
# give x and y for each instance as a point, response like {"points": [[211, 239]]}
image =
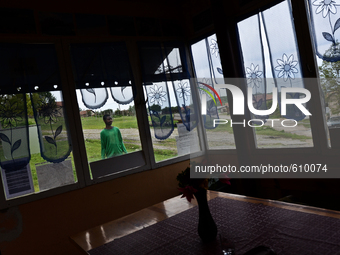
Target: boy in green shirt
{"points": [[111, 139]]}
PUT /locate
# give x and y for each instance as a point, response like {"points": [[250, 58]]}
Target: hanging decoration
{"points": [[52, 132], [210, 94], [325, 24], [214, 59], [30, 70], [98, 66], [122, 94], [254, 65], [179, 76], [254, 80], [94, 98], [286, 69], [206, 60], [283, 55], [163, 65], [14, 151], [160, 109]]}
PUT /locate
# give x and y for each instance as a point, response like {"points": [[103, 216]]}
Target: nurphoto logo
{"points": [[238, 103]]}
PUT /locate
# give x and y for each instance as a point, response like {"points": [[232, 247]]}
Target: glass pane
{"points": [[105, 90], [123, 117], [271, 61], [34, 130], [208, 71], [172, 113], [51, 154], [324, 25]]}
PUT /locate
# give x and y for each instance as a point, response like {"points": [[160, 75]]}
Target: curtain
{"points": [[155, 73], [29, 70], [284, 54], [15, 150], [100, 66], [202, 53], [253, 61], [179, 77], [214, 58], [164, 66], [52, 127], [325, 24]]}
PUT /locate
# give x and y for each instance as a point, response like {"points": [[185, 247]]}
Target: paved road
{"points": [[222, 140]]}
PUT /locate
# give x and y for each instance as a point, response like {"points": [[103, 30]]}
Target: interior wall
{"points": [[44, 226]]}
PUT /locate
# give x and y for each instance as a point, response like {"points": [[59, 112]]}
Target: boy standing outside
{"points": [[111, 139]]}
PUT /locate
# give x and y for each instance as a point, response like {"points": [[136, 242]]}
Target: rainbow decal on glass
{"points": [[208, 92]]}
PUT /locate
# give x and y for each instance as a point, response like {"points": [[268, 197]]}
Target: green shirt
{"points": [[111, 143]]}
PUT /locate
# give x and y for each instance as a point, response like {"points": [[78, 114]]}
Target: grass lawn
{"points": [[265, 130], [93, 147], [122, 122]]}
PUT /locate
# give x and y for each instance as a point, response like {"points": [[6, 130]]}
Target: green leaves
{"points": [[4, 138], [16, 146], [163, 120], [58, 131], [50, 140], [53, 140]]}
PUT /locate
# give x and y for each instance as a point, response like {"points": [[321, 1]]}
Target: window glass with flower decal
{"points": [[325, 23], [208, 72], [105, 86], [172, 112], [271, 60], [36, 150]]}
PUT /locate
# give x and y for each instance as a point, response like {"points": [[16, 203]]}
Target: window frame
{"points": [[76, 134], [141, 112], [70, 116], [313, 104], [202, 128]]}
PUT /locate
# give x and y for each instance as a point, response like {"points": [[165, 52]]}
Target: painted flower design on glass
{"points": [[183, 90], [49, 111], [214, 48], [287, 67], [10, 114], [326, 6], [157, 95], [254, 76]]}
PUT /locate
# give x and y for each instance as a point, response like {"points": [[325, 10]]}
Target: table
{"points": [[272, 217]]}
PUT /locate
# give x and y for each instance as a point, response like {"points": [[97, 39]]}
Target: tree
{"points": [[118, 112], [330, 82], [132, 110], [155, 108]]}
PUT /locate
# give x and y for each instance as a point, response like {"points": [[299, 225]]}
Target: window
{"points": [[172, 112], [208, 71], [271, 60], [324, 22], [36, 150], [105, 86]]}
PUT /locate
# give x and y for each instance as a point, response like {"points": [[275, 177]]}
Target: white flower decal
{"points": [[286, 67], [254, 76], [214, 48], [183, 90], [326, 6], [157, 95]]}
